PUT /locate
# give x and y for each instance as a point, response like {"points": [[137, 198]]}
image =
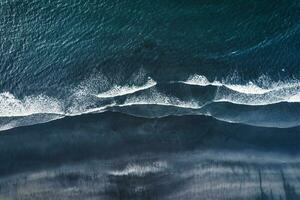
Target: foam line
{"points": [[249, 88], [156, 98], [124, 90]]}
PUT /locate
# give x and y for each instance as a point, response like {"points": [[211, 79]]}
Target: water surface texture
{"points": [[161, 99]]}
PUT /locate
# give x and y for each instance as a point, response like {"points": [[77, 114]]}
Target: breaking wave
{"points": [[124, 90], [222, 99], [157, 98], [10, 106], [259, 92]]}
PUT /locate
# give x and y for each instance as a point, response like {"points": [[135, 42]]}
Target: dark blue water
{"points": [[149, 99]]}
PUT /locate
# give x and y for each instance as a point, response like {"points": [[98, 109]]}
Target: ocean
{"points": [[161, 99]]}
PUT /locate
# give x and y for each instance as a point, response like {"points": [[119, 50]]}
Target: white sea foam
{"points": [[261, 92], [31, 110], [157, 98], [124, 90], [249, 88], [10, 106], [74, 112], [258, 92], [140, 170], [200, 80], [281, 94], [295, 98]]}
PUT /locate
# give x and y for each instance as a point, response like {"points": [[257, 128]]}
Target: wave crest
{"points": [[262, 91], [117, 90]]}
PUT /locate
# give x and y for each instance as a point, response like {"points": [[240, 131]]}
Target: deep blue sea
{"points": [[160, 99]]}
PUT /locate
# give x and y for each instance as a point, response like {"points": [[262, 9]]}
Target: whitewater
{"points": [[252, 93]]}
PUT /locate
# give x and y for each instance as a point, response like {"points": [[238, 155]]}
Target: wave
{"points": [[154, 99], [10, 106], [276, 116], [116, 91], [291, 95], [200, 80], [280, 115], [294, 99], [259, 92], [249, 88], [91, 110], [31, 110]]}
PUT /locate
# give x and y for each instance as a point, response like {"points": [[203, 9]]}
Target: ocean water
{"points": [[161, 99]]}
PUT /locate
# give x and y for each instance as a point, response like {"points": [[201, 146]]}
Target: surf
{"points": [[117, 90]]}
